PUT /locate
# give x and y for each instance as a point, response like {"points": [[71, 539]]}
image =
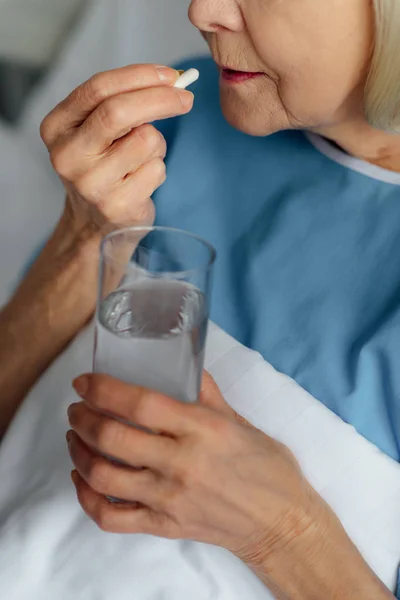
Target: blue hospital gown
{"points": [[308, 242]]}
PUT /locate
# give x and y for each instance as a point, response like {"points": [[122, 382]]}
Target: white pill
{"points": [[187, 79]]}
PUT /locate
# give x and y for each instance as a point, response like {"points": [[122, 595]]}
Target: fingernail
{"points": [[186, 98], [81, 385], [74, 477], [166, 73]]}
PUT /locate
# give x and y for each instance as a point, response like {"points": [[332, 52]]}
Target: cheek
{"points": [[319, 58], [321, 92], [303, 88], [306, 98]]}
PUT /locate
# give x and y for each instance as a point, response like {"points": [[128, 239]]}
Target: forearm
{"points": [[51, 305], [324, 565]]}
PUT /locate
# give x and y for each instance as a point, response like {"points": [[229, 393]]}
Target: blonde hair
{"points": [[382, 97]]}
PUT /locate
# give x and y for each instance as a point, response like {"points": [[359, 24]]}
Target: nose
{"points": [[215, 15]]}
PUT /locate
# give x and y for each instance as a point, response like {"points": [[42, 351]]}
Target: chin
{"points": [[251, 116]]}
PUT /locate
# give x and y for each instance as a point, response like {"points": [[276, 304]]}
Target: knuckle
{"points": [[143, 213], [173, 504], [61, 160], [209, 387], [146, 213], [109, 435], [183, 467], [287, 455], [98, 392], [45, 128], [218, 425], [111, 114], [162, 168], [95, 89], [103, 518], [144, 406], [152, 140], [87, 188], [98, 475], [159, 170], [188, 478], [75, 414]]}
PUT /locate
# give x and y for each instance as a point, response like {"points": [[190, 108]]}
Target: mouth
{"points": [[234, 76]]}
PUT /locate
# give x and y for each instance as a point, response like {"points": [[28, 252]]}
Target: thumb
{"points": [[211, 397]]}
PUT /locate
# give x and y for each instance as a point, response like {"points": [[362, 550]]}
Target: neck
{"points": [[359, 139]]}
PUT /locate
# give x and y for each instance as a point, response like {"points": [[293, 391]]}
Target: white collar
{"points": [[355, 164]]}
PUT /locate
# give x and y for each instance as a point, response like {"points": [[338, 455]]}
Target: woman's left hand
{"points": [[208, 476]]}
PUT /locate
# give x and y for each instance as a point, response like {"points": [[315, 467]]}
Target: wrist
{"points": [[318, 560], [62, 283], [78, 228], [53, 303]]}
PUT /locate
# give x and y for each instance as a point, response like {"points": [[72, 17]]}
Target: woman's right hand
{"points": [[102, 146]]}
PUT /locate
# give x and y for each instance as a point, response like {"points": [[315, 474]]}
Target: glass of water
{"points": [[153, 309]]}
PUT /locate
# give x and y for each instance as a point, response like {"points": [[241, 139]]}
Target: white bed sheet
{"points": [[49, 549]]}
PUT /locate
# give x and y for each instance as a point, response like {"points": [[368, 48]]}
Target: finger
{"points": [[113, 120], [117, 481], [123, 157], [131, 202], [121, 518], [123, 442], [210, 396], [73, 111], [136, 405], [118, 115], [132, 151], [127, 201]]}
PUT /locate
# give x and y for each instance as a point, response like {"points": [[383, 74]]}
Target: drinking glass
{"points": [[153, 309]]}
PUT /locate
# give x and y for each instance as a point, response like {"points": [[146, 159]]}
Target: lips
{"points": [[233, 76]]}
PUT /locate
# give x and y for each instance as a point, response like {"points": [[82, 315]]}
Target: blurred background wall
{"points": [[32, 33], [38, 36], [47, 48]]}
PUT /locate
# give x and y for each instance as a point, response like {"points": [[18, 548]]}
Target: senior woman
{"points": [[306, 226]]}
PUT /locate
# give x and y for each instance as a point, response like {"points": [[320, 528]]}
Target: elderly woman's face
{"points": [[310, 59]]}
